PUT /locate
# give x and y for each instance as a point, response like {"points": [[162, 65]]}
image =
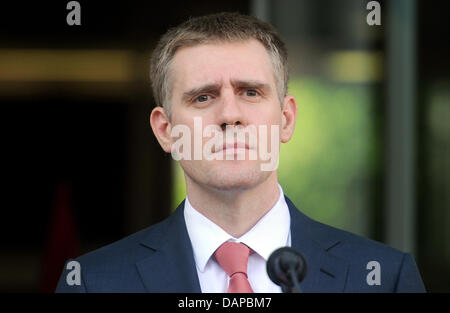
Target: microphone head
{"points": [[280, 262]]}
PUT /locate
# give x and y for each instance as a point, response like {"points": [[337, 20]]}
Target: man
{"points": [[229, 71]]}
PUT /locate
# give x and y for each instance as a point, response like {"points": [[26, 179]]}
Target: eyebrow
{"points": [[214, 88], [250, 84], [202, 89]]}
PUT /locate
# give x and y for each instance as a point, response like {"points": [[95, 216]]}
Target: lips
{"points": [[233, 146]]}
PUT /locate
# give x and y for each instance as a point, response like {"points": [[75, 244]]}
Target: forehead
{"points": [[221, 63]]}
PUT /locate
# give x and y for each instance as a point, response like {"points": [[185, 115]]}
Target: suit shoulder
{"points": [[346, 243], [362, 255], [112, 268], [123, 251]]}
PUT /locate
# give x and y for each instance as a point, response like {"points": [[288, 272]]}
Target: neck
{"points": [[235, 211]]}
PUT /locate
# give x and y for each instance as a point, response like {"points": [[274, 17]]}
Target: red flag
{"points": [[62, 241]]}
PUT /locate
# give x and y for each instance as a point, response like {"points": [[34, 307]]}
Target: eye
{"points": [[202, 98], [251, 93]]}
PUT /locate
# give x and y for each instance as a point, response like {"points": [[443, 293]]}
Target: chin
{"points": [[235, 177], [225, 175]]}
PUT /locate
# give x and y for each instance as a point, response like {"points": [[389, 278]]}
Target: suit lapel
{"points": [[325, 271], [171, 266]]}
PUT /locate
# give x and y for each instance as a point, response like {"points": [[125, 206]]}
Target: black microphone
{"points": [[287, 268]]}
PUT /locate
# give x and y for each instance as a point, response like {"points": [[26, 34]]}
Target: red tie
{"points": [[233, 257]]}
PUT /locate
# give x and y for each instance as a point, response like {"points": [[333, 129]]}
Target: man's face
{"points": [[226, 84]]}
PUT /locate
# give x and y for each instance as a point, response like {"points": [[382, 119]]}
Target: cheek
{"points": [[272, 117], [180, 116]]}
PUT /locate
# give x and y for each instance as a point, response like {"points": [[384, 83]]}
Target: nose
{"points": [[230, 112]]}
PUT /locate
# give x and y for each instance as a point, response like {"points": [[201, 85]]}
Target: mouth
{"points": [[232, 147]]}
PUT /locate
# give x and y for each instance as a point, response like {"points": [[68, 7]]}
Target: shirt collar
{"points": [[268, 234]]}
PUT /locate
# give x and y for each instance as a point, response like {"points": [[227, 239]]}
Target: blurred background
{"points": [[82, 169]]}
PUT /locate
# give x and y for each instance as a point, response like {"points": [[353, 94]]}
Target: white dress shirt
{"points": [[271, 232]]}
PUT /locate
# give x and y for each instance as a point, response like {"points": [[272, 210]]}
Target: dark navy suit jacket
{"points": [[160, 259]]}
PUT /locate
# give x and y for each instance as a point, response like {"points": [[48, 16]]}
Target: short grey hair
{"points": [[220, 27]]}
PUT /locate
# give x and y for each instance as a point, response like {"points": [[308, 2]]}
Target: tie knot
{"points": [[233, 257]]}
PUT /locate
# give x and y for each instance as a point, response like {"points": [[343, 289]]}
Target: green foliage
{"points": [[332, 150], [179, 184]]}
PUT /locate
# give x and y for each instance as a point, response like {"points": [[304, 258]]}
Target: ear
{"points": [[161, 128], [288, 119]]}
